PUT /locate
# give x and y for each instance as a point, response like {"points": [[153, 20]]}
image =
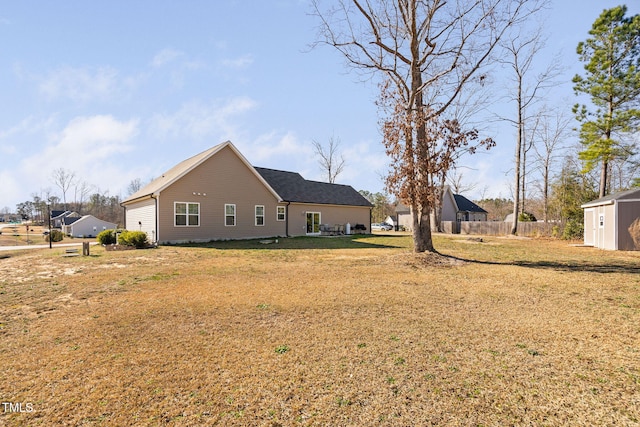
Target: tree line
{"points": [[75, 195]]}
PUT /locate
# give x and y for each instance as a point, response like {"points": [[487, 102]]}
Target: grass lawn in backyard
{"points": [[348, 331]]}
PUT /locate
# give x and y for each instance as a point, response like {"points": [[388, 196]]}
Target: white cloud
{"points": [[166, 56], [273, 147], [240, 62], [87, 146], [12, 139], [81, 84], [196, 120]]}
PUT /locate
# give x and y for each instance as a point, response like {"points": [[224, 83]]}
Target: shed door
{"points": [[589, 227]]}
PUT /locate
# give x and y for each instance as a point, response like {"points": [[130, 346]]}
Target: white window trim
{"points": [[284, 213], [186, 214], [235, 214], [257, 216]]}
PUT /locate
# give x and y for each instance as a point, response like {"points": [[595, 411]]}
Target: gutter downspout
{"points": [[157, 237], [286, 222], [370, 216]]}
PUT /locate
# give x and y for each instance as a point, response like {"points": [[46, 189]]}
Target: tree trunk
{"points": [[603, 178], [422, 239], [516, 193]]}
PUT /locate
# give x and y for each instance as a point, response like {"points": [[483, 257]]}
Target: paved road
{"points": [[44, 246], [38, 246]]}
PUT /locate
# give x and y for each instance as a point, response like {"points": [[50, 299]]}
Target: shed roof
{"points": [[292, 187], [632, 194]]}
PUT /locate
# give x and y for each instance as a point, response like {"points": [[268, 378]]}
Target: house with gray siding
{"points": [[86, 226], [219, 195], [455, 209]]}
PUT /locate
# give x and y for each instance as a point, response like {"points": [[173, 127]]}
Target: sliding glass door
{"points": [[313, 222]]}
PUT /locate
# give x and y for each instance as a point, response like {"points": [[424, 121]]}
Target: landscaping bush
{"points": [[573, 229], [526, 217], [54, 236], [133, 238], [107, 237]]}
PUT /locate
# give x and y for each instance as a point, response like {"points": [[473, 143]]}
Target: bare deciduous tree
{"points": [[330, 159], [457, 183], [82, 190], [426, 53], [134, 185], [64, 179], [551, 133], [525, 91]]}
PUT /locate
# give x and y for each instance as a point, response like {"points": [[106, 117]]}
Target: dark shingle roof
{"points": [[466, 205], [68, 220], [292, 187]]}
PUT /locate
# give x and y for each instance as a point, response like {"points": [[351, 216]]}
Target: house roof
{"points": [[91, 218], [292, 187], [634, 193], [402, 208], [68, 220], [462, 203], [285, 186], [466, 205], [184, 167]]}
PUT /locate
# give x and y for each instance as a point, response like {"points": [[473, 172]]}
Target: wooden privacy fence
{"points": [[497, 228]]}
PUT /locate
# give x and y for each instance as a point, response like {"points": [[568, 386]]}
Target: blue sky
{"points": [[120, 90]]}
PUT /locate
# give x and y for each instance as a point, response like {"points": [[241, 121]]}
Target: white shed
{"points": [[613, 222]]}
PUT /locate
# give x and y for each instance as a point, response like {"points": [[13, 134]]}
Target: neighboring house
{"points": [[218, 195], [613, 222], [403, 217], [58, 217], [455, 208], [86, 226], [392, 220]]}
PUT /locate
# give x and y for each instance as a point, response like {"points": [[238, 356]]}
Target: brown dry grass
{"points": [[509, 332]]}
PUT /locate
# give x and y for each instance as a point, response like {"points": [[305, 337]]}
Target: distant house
{"points": [[218, 194], [392, 220], [403, 217], [58, 217], [85, 226], [455, 208], [613, 222]]}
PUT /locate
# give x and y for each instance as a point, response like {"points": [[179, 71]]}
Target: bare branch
{"points": [[330, 160]]}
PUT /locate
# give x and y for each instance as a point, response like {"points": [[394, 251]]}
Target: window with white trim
{"points": [[259, 215], [186, 214], [230, 215], [281, 213]]}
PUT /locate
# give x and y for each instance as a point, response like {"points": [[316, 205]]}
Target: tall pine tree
{"points": [[612, 81]]}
